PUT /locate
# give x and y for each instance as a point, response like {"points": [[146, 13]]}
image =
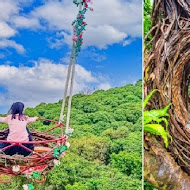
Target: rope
{"points": [[70, 97], [70, 76], [66, 86]]}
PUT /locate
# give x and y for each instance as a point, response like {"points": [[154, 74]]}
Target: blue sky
{"points": [[35, 45]]}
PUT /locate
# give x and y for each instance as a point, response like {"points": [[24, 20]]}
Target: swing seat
{"points": [[42, 149]]}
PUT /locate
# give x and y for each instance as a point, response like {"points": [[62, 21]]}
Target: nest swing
{"points": [[40, 160]]}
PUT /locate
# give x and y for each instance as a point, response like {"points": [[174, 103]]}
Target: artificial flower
{"points": [[67, 144], [56, 162], [16, 168]]}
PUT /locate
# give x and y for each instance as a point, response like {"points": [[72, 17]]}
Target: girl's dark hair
{"points": [[17, 108]]}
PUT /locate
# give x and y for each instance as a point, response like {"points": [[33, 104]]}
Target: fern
{"points": [[153, 119]]}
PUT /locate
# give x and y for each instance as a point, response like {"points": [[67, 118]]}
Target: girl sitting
{"points": [[17, 131]]}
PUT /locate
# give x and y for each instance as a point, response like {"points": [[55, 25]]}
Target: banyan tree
{"points": [[167, 68]]}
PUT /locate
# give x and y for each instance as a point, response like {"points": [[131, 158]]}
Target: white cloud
{"points": [[58, 14], [8, 8], [110, 23], [60, 39], [94, 55], [25, 2], [127, 42], [24, 22], [12, 44], [107, 35], [122, 15], [6, 31], [104, 86], [44, 82]]}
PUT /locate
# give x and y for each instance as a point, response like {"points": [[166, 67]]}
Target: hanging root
{"points": [[167, 68]]}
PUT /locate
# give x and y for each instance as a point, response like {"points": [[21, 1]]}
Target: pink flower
{"points": [[91, 9], [83, 23], [86, 5], [88, 1], [81, 42], [63, 154], [80, 35], [74, 29], [75, 38]]}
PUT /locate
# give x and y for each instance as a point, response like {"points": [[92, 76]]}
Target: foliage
{"points": [[127, 163], [107, 133], [149, 96], [153, 119], [147, 19], [91, 148], [148, 186], [76, 172]]}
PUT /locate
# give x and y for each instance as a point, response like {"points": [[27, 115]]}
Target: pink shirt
{"points": [[17, 128]]}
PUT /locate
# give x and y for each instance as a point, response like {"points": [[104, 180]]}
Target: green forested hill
{"points": [[106, 146]]}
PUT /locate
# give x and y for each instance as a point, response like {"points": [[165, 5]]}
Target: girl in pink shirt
{"points": [[17, 122]]}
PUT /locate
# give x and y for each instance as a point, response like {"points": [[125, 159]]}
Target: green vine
{"points": [[79, 24]]}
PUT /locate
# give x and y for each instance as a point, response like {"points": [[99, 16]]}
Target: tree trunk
{"points": [[161, 170], [167, 68]]}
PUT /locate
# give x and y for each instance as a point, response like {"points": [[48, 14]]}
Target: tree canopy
{"points": [[106, 146]]}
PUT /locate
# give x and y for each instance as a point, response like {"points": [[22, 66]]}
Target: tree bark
{"points": [[160, 168], [167, 68]]}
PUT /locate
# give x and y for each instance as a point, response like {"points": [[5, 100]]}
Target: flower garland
{"points": [[79, 24], [83, 2], [59, 152], [35, 175], [28, 187]]}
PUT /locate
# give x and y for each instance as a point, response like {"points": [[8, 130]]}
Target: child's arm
{"points": [[31, 119], [3, 119]]}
